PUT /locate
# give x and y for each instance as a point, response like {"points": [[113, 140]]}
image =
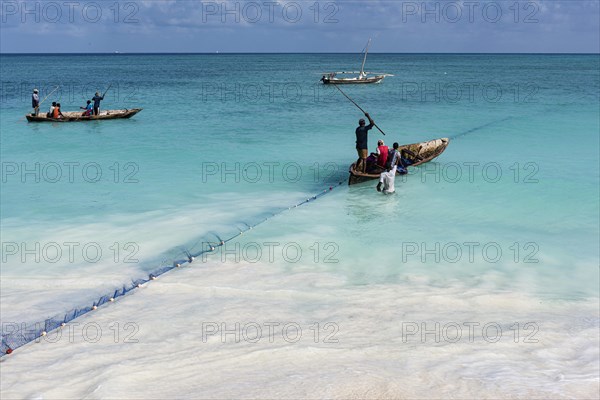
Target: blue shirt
{"points": [[96, 100]]}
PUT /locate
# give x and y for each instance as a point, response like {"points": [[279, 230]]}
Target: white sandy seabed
{"points": [[232, 331]]}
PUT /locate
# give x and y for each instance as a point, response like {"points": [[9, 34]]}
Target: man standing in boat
{"points": [[361, 142], [35, 102], [96, 99]]}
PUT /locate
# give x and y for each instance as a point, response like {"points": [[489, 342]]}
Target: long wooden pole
{"points": [[106, 91], [48, 96], [359, 107]]}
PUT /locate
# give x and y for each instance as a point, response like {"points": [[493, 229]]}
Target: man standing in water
{"points": [[361, 142], [97, 98], [35, 102], [397, 160], [387, 178]]}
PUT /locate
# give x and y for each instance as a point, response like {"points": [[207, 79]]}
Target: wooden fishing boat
{"points": [[424, 152], [75, 116], [332, 78]]}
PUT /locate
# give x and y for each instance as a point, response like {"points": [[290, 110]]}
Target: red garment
{"points": [[383, 155], [55, 113]]}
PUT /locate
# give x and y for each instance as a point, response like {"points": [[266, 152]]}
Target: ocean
{"points": [[478, 278]]}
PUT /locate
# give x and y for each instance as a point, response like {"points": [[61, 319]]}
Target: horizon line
{"points": [[271, 53]]}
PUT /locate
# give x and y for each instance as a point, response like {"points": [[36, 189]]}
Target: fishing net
{"points": [[15, 335]]}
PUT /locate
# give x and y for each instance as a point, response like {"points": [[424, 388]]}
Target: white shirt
{"points": [[388, 179]]}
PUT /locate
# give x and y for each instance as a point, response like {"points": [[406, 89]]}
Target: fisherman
{"points": [[382, 153], [57, 114], [387, 178], [88, 109], [35, 102], [51, 111], [397, 162], [96, 99], [361, 142]]}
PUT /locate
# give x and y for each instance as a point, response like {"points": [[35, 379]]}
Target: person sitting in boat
{"points": [[96, 99], [51, 111], [35, 102], [88, 109], [57, 114], [382, 153], [362, 147], [371, 161], [387, 177]]}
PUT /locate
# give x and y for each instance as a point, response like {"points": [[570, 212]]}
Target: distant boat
{"points": [[75, 116], [363, 77], [425, 152]]}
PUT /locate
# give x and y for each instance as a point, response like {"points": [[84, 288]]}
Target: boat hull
{"points": [[426, 150], [351, 81], [76, 116]]}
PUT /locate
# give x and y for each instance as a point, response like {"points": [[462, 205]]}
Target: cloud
{"points": [[304, 26]]}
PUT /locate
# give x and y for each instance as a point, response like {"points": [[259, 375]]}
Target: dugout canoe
{"points": [[76, 116], [426, 150]]}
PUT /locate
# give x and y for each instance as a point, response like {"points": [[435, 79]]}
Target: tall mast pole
{"points": [[362, 68]]}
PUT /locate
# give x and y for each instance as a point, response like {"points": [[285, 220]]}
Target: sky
{"points": [[269, 26]]}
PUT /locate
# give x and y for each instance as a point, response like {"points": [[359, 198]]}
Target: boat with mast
{"points": [[363, 77]]}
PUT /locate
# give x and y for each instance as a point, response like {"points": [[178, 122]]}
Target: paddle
{"points": [[359, 107]]}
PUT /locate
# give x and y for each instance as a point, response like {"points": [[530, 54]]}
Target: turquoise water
{"points": [[503, 226], [283, 138]]}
